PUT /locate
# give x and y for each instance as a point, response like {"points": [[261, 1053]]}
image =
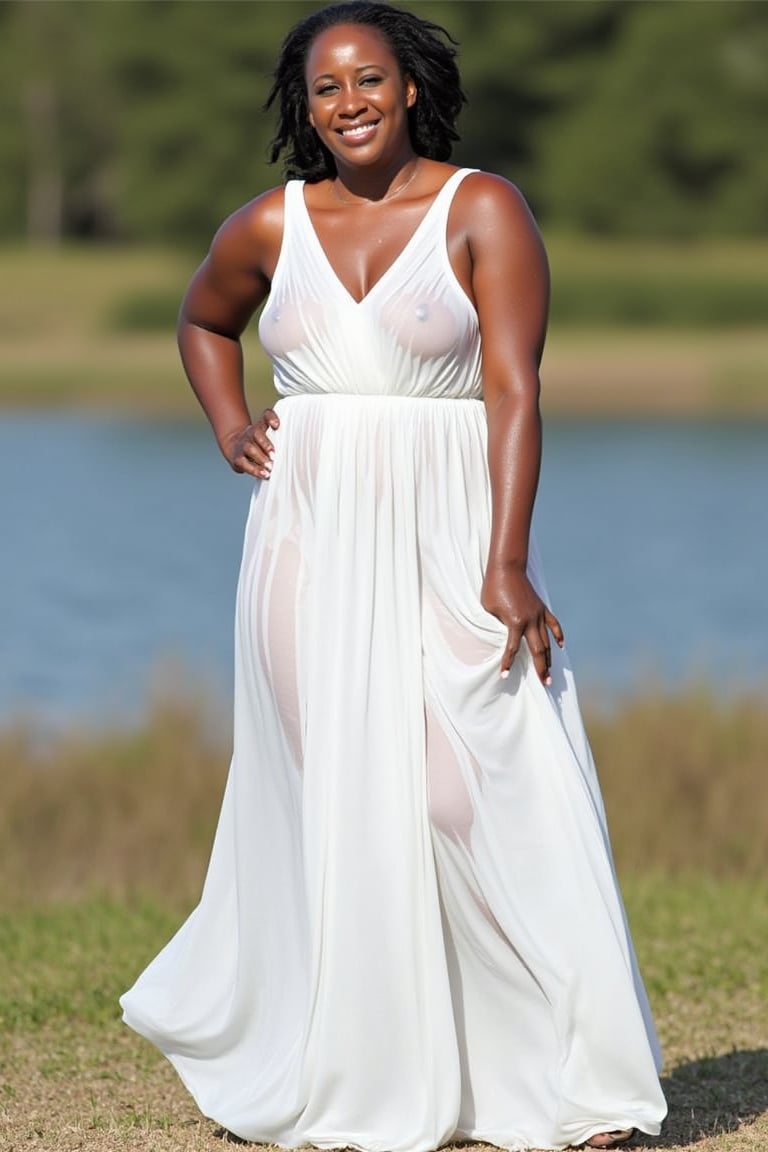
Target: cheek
{"points": [[315, 108]]}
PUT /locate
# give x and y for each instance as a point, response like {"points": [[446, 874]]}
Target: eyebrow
{"points": [[362, 68]]}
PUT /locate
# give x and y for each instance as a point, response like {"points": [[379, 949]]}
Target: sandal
{"points": [[612, 1139]]}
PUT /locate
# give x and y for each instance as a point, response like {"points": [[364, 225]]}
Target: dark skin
{"points": [[363, 221]]}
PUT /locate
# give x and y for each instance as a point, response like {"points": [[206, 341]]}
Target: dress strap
{"points": [[292, 226], [292, 215], [444, 198]]}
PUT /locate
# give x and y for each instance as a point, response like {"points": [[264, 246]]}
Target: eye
{"points": [[369, 81], [325, 89]]}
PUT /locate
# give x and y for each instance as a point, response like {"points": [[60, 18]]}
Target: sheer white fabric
{"points": [[410, 930]]}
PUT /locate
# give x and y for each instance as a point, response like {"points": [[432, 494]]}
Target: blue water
{"points": [[121, 544]]}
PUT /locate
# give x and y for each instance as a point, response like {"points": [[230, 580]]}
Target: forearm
{"points": [[213, 363], [514, 460]]}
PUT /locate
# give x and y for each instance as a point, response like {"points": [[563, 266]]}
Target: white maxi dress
{"points": [[410, 931]]}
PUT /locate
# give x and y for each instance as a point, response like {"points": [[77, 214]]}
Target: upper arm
{"points": [[235, 276], [510, 283]]}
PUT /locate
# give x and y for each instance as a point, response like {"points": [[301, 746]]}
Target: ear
{"points": [[312, 120], [411, 92]]}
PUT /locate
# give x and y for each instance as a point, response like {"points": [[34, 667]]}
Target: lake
{"points": [[121, 545]]}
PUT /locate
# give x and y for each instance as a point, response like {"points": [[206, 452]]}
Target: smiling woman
{"points": [[411, 930]]}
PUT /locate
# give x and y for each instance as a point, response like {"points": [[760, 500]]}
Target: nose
{"points": [[352, 102]]}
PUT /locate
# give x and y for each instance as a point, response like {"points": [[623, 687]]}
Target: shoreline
{"points": [[586, 374]]}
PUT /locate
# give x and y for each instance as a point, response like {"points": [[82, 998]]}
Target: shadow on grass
{"points": [[711, 1097], [706, 1098]]}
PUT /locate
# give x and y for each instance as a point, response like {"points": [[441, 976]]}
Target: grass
{"points": [[656, 284], [95, 876], [85, 814], [92, 328], [71, 1076]]}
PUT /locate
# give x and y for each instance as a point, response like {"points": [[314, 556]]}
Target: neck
{"points": [[371, 186]]}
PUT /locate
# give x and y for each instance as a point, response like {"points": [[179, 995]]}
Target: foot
{"points": [[610, 1139]]}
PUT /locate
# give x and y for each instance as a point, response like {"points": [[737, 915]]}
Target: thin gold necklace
{"points": [[389, 196]]}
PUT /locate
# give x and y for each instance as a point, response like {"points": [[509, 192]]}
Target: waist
{"points": [[354, 399], [411, 418]]}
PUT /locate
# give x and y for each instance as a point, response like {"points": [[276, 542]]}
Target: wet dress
{"points": [[410, 931]]}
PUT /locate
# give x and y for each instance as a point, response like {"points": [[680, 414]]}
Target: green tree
{"points": [[668, 135], [142, 120]]}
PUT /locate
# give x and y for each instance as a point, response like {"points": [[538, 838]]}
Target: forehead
{"points": [[350, 45]]}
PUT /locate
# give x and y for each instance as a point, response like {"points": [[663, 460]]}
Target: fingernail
{"points": [[548, 681], [505, 673]]}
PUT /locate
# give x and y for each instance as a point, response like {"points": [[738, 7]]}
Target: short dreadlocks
{"points": [[424, 51]]}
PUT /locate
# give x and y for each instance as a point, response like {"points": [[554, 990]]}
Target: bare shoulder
{"points": [[509, 271], [494, 209], [252, 235]]}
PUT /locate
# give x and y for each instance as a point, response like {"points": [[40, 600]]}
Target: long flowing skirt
{"points": [[410, 930]]}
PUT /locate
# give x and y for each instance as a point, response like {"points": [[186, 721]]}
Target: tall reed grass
{"points": [[132, 813]]}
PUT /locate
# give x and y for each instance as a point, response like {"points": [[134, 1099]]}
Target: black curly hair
{"points": [[423, 51]]}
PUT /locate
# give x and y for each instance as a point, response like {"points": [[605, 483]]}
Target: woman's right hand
{"points": [[250, 450]]}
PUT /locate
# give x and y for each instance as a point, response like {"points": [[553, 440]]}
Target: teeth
{"points": [[358, 131]]}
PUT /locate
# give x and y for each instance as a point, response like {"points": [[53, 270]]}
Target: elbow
{"points": [[187, 328], [519, 392]]}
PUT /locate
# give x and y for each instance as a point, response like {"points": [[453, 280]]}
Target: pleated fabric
{"points": [[410, 931]]}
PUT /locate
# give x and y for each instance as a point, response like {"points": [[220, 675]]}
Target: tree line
{"points": [[130, 120]]}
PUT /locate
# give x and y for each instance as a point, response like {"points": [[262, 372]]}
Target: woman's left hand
{"points": [[508, 595]]}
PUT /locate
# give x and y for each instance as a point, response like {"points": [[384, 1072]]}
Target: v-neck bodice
{"points": [[414, 333], [444, 193]]}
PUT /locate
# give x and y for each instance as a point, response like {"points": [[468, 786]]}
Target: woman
{"points": [[410, 931]]}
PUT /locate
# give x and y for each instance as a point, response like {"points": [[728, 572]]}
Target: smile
{"points": [[358, 131]]}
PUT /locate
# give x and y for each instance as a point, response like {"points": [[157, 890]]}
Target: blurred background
{"points": [[128, 131]]}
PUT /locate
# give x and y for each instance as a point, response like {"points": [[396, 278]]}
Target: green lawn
{"points": [[72, 1076], [95, 876]]}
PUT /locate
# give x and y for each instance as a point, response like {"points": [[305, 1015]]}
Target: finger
{"points": [[257, 444], [258, 431], [540, 654], [251, 468], [267, 419], [514, 635], [254, 461], [553, 624], [263, 444], [256, 457], [544, 637]]}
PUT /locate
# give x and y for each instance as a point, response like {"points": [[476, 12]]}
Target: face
{"points": [[358, 98]]}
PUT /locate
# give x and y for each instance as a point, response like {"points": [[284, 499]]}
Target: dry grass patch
{"points": [[59, 346], [72, 1076], [131, 812], [661, 373], [92, 328]]}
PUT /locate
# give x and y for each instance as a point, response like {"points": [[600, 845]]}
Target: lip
{"points": [[361, 133]]}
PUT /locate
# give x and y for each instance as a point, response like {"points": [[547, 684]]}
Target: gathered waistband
{"points": [[374, 397]]}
